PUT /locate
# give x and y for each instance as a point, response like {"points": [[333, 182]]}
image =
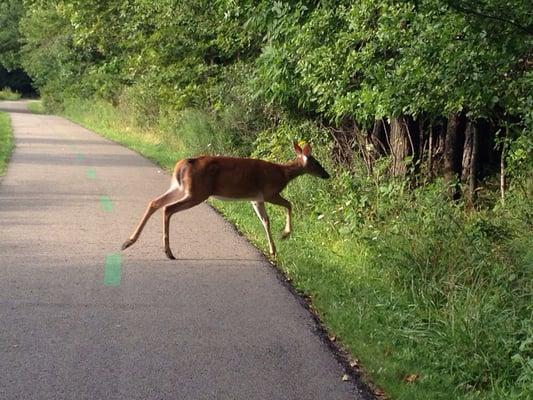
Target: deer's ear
{"points": [[307, 150], [297, 148]]}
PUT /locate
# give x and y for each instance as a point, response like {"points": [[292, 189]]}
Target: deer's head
{"points": [[308, 162]]}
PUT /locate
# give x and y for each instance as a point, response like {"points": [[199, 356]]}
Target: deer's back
{"points": [[232, 177]]}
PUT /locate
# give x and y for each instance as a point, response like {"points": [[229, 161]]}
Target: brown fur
{"points": [[235, 178], [196, 179]]}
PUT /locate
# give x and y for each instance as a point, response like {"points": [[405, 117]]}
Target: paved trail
{"points": [[215, 324]]}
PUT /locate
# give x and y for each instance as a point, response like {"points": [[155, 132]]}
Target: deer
{"points": [[194, 180]]}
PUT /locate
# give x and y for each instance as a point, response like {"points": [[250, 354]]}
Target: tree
{"points": [[10, 14]]}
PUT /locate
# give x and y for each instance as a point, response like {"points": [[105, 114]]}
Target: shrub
{"points": [[8, 94]]}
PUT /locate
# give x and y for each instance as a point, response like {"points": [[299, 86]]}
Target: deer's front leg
{"points": [[280, 201], [260, 210]]}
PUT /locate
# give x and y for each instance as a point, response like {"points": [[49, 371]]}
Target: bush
{"points": [[141, 103], [468, 280], [8, 94], [204, 133]]}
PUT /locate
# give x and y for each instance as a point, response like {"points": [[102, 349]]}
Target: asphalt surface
{"points": [[215, 324]]}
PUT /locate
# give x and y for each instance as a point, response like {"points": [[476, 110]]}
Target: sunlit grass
{"points": [[159, 148]]}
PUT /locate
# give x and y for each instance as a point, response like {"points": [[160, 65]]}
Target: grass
{"points": [[158, 147], [6, 141], [415, 288], [8, 94], [36, 107], [6, 134]]}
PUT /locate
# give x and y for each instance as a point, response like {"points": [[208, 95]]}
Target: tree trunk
{"points": [[400, 146], [467, 154], [430, 153], [378, 138], [365, 149], [343, 143], [421, 140], [470, 161], [502, 168], [451, 153], [418, 157], [473, 164]]}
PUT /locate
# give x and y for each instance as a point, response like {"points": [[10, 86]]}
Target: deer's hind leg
{"points": [[170, 196], [181, 205], [260, 210]]}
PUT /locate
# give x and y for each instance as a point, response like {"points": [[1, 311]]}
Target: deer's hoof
{"points": [[127, 244], [285, 235], [169, 254]]}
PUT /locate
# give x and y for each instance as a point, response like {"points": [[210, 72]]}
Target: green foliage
{"points": [[48, 55], [364, 60], [463, 274], [10, 13], [520, 158], [377, 59], [201, 133]]}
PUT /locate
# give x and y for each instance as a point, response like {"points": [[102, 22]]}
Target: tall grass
{"points": [[433, 299], [413, 284], [189, 133], [8, 94], [36, 107], [121, 127], [6, 141]]}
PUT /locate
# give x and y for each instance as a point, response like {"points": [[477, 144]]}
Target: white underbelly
{"points": [[258, 197]]}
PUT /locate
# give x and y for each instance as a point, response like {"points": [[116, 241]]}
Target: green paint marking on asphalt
{"points": [[106, 203], [91, 173], [113, 269]]}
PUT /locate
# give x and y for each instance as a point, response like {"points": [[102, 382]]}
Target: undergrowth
{"points": [[432, 298], [36, 107], [8, 94]]}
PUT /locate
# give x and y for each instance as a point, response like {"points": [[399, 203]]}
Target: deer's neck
{"points": [[293, 169]]}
